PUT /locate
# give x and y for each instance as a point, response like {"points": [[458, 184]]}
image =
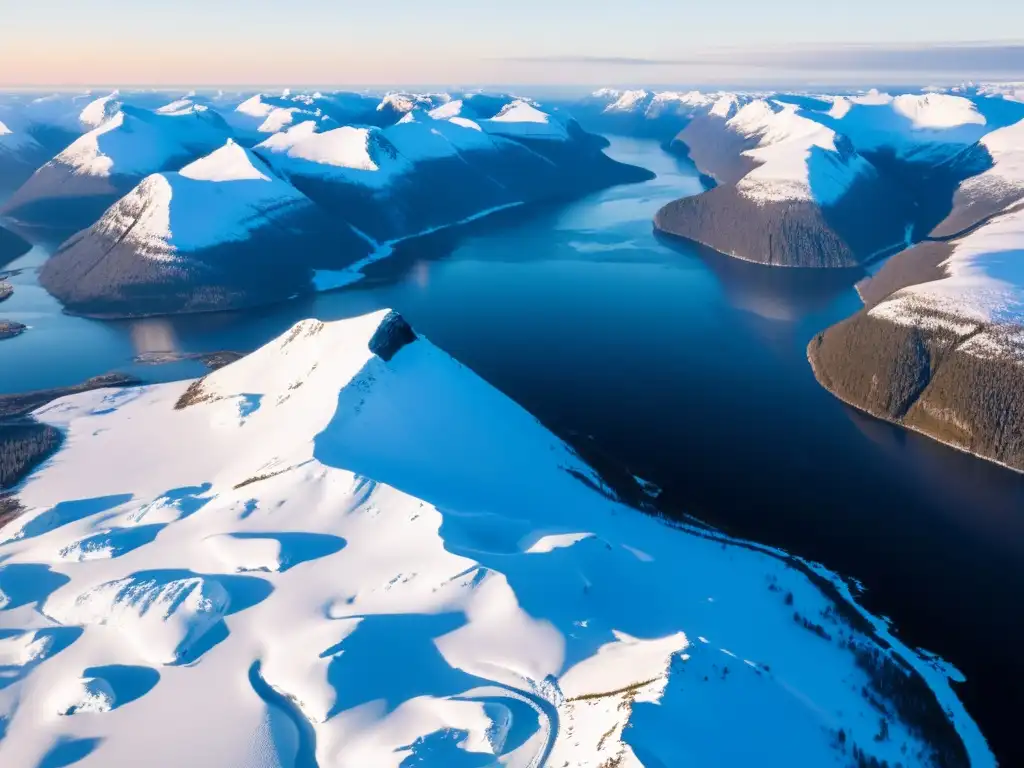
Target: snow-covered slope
{"points": [[97, 112], [522, 120], [394, 106], [796, 158], [261, 115], [923, 128], [360, 155], [346, 549], [791, 192], [221, 233], [435, 168], [940, 346], [999, 185], [111, 159]]}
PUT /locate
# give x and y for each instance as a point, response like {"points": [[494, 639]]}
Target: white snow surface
{"points": [[983, 291], [99, 111], [256, 117], [358, 154], [629, 101], [219, 198], [520, 119], [798, 158], [377, 561], [140, 142], [1006, 147], [930, 125]]}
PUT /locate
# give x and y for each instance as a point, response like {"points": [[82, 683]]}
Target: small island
{"points": [[9, 329]]}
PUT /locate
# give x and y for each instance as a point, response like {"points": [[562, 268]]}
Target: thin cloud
{"points": [[947, 58]]}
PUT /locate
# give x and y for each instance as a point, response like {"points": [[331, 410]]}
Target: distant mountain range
{"points": [[214, 202]]}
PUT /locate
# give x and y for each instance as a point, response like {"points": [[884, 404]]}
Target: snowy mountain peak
{"points": [[798, 158], [449, 110], [360, 154], [99, 111], [520, 119], [725, 106], [937, 110], [254, 106], [231, 162], [628, 101]]}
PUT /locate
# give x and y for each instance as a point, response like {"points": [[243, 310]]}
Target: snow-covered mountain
{"points": [[394, 106], [645, 113], [346, 549], [222, 233], [260, 116], [105, 163], [158, 241], [940, 345], [925, 128], [435, 168], [791, 191]]}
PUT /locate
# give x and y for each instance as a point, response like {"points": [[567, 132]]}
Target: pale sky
{"points": [[409, 42]]}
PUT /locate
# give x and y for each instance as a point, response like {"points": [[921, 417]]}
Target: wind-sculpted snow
{"points": [[386, 562]]}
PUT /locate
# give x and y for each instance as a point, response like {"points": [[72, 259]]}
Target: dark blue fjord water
{"points": [[683, 365]]}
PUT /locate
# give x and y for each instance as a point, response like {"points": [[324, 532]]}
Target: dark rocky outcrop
{"points": [[391, 335]]}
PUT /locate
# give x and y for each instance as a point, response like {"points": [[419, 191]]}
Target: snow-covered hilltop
{"points": [[366, 556], [791, 191], [94, 170], [223, 232]]}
